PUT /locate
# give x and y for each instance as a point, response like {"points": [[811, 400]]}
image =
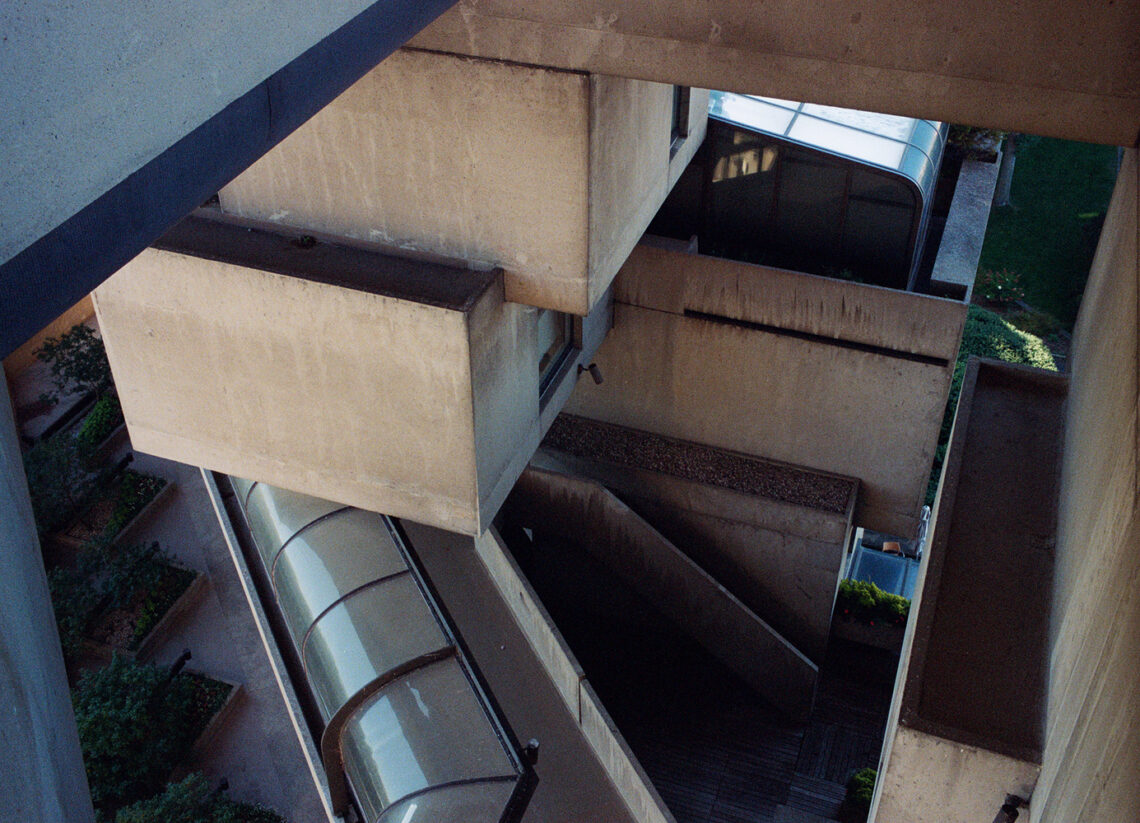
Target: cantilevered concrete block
{"points": [[550, 175], [399, 385]]}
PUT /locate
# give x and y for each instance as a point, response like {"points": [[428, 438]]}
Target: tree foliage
{"points": [[193, 801], [135, 723], [78, 362]]}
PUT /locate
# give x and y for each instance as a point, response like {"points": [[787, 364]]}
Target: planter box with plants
{"points": [[866, 614], [137, 724], [122, 598], [123, 503], [193, 798]]}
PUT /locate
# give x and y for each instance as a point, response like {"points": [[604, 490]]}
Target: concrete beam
{"points": [[1048, 67], [115, 125]]}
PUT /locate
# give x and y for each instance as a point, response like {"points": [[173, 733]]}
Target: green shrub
{"points": [[868, 603], [103, 579], [860, 790], [78, 363], [58, 483], [135, 490], [103, 419], [193, 801], [135, 723], [985, 334], [1000, 286]]}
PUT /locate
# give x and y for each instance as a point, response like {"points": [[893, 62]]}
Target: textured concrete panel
{"points": [[1049, 67]]}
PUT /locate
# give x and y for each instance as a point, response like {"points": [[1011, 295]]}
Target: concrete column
{"points": [[41, 768]]}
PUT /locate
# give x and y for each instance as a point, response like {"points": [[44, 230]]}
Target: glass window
{"points": [[422, 730], [328, 560], [275, 515], [554, 332], [462, 804], [367, 635]]}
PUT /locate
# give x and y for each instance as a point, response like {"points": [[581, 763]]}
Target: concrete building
{"points": [[389, 306]]}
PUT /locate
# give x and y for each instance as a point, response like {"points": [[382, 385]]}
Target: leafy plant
{"points": [[985, 334], [135, 490], [136, 722], [102, 580], [103, 418], [1000, 286], [193, 801], [860, 791], [78, 363], [868, 603], [58, 482]]}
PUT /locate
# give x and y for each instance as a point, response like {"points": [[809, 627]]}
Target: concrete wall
{"points": [[552, 175], [1092, 753], [603, 736], [775, 384], [782, 560], [1048, 67], [41, 768], [685, 594], [387, 404]]}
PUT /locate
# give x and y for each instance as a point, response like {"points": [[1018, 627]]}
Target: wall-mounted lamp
{"points": [[594, 371], [1009, 809]]}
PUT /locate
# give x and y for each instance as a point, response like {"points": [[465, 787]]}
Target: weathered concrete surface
{"points": [[41, 768], [1092, 751], [1045, 68], [961, 246], [782, 560], [843, 378], [390, 404], [968, 714], [607, 742], [575, 783], [687, 595], [418, 154]]}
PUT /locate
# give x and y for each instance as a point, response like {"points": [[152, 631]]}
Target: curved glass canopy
{"points": [[406, 720], [910, 147]]}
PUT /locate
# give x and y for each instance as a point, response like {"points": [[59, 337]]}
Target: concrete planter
{"points": [[66, 543], [95, 650], [214, 725], [111, 444], [886, 636]]}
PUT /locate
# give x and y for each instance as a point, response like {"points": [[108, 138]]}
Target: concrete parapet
{"points": [[967, 725], [782, 558], [684, 593], [956, 265]]}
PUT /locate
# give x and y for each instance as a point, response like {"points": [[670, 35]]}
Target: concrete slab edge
{"points": [[309, 748], [599, 731]]}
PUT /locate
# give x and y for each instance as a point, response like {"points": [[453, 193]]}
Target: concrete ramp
{"points": [[641, 557]]}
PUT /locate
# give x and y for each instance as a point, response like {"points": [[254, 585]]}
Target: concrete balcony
{"points": [[967, 726], [836, 376], [396, 383], [551, 175]]}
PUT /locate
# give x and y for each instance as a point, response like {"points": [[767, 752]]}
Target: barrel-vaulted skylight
{"points": [[904, 145]]}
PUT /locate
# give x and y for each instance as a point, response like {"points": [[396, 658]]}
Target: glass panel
{"points": [[470, 803], [553, 339], [810, 210], [329, 559], [750, 111], [842, 140], [422, 730], [884, 570], [241, 488], [888, 125], [275, 515], [370, 633]]}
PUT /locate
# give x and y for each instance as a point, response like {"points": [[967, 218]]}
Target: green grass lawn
{"points": [[1060, 192]]}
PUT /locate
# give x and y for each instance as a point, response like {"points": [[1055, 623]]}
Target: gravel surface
{"points": [[701, 464]]}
